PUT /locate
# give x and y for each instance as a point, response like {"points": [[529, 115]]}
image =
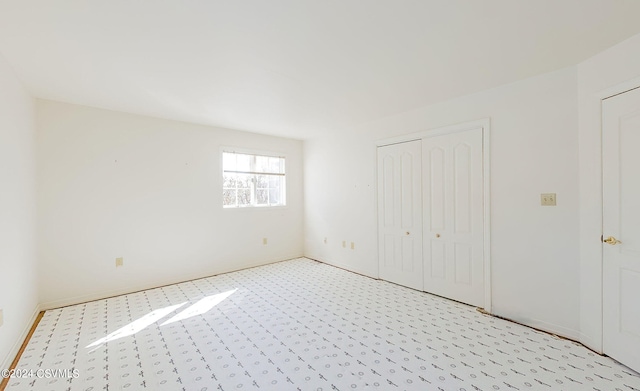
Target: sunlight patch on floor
{"points": [[137, 325], [203, 306]]}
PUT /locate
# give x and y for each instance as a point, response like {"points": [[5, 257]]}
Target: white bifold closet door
{"points": [[453, 216], [621, 227], [400, 213]]}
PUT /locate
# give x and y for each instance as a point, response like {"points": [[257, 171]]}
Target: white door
{"points": [[453, 218], [621, 227], [400, 214]]}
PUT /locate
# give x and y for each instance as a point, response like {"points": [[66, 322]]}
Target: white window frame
{"points": [[253, 171]]}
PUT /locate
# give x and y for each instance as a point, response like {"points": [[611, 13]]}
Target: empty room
{"points": [[319, 195]]}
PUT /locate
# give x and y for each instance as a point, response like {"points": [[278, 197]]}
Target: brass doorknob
{"points": [[408, 233], [437, 235], [611, 240]]}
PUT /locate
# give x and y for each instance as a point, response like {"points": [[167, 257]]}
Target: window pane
{"points": [[228, 197], [244, 162], [244, 181], [274, 181], [262, 182], [262, 164], [261, 197], [229, 181], [276, 165], [229, 161], [244, 197], [274, 197]]}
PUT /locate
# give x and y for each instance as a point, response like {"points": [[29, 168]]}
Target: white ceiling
{"points": [[295, 68]]}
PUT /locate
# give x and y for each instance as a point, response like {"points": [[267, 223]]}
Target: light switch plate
{"points": [[119, 261], [548, 199]]}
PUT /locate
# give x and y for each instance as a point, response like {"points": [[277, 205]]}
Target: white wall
{"points": [[18, 275], [610, 72], [534, 144], [113, 184]]}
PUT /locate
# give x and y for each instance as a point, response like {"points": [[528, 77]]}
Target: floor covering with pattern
{"points": [[300, 325]]}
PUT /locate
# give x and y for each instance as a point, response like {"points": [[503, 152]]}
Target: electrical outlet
{"points": [[119, 262], [353, 246], [344, 244], [548, 199], [264, 241], [1, 317]]}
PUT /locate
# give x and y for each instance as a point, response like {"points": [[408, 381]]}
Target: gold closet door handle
{"points": [[611, 240]]}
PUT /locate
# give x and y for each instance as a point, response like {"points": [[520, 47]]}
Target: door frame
{"points": [[591, 216], [485, 124]]}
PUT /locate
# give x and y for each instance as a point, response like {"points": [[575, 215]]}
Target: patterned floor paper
{"points": [[301, 325]]}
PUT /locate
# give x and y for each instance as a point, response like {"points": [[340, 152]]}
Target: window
{"points": [[252, 180]]}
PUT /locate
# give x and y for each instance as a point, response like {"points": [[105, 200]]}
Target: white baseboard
{"points": [[342, 266], [15, 349], [556, 329], [561, 331], [537, 324], [591, 343], [159, 283]]}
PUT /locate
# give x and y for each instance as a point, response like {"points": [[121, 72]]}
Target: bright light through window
{"points": [[252, 180]]}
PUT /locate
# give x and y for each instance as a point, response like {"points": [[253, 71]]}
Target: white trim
{"points": [[486, 185], [250, 151], [619, 89], [15, 349], [461, 127], [485, 124], [547, 327], [254, 208], [587, 341], [343, 266], [375, 208]]}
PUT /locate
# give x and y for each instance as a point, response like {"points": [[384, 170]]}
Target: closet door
{"points": [[400, 213], [453, 218]]}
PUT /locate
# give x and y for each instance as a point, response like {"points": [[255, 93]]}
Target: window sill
{"points": [[256, 208]]}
